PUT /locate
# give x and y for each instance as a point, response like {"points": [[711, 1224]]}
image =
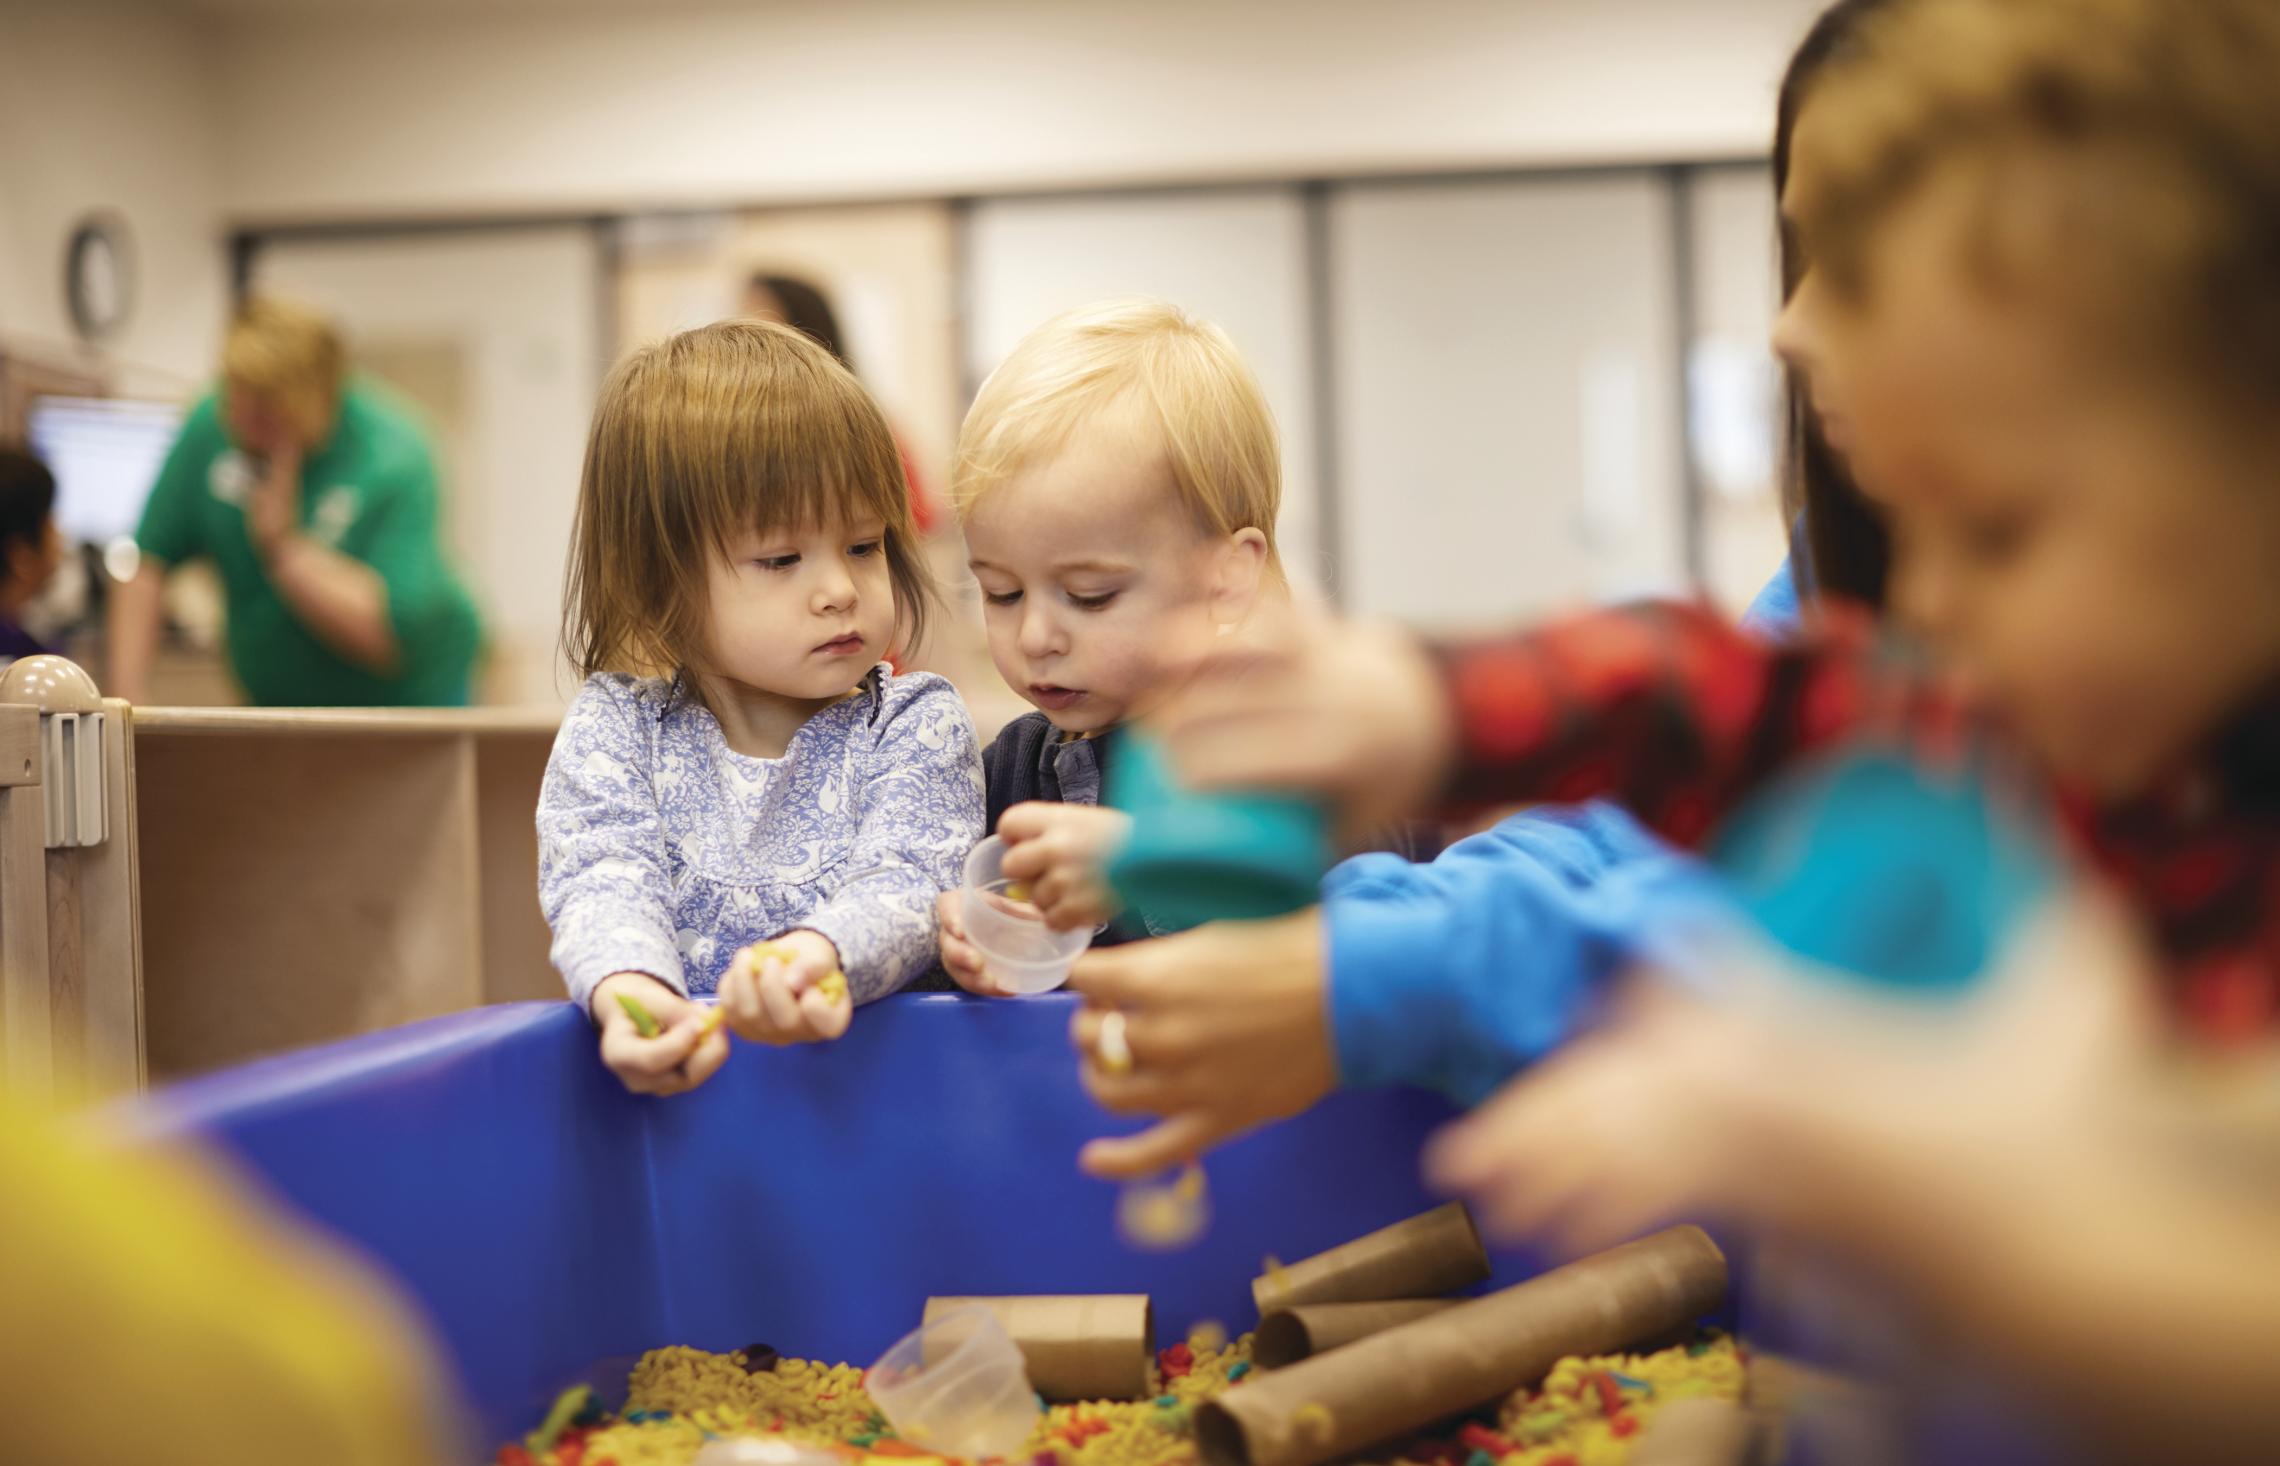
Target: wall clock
{"points": [[98, 276]]}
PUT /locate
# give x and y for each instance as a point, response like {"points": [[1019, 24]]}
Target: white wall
{"points": [[1236, 257], [387, 109], [1506, 399], [112, 105], [1735, 386]]}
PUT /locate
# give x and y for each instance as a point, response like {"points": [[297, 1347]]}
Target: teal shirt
{"points": [[369, 492]]}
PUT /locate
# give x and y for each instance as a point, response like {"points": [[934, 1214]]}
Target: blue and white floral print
{"points": [[663, 850]]}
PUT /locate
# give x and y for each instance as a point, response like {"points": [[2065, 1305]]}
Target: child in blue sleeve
{"points": [[1458, 973]]}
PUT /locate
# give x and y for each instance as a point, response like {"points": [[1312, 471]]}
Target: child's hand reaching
{"points": [[778, 992], [1804, 1113], [683, 1053], [1061, 852]]}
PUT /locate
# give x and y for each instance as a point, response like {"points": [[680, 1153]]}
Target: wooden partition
{"points": [[307, 875], [183, 889]]}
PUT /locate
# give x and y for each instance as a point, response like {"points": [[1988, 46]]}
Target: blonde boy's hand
{"points": [[1061, 852], [961, 958], [773, 992], [684, 1052]]}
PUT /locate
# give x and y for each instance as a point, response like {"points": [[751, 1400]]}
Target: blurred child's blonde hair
{"points": [[734, 427], [1184, 376], [2126, 150], [288, 353]]}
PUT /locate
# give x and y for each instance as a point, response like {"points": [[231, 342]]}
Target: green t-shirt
{"points": [[369, 493]]}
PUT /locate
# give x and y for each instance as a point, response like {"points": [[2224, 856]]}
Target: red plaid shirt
{"points": [[1679, 716]]}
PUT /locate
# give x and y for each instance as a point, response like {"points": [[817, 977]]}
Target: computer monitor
{"points": [[105, 453]]}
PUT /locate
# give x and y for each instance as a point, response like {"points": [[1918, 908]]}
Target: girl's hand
{"points": [[1223, 1028], [1062, 851], [685, 1051], [1354, 714], [961, 958], [775, 992]]}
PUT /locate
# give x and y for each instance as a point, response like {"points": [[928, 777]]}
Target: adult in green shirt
{"points": [[315, 498]]}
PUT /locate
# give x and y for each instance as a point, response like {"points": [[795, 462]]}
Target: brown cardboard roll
{"points": [[1082, 1347], [1423, 1257], [1697, 1432], [1290, 1334], [1411, 1375]]}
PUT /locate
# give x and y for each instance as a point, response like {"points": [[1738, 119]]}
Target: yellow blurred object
{"points": [[144, 1277], [1164, 1216], [833, 987]]}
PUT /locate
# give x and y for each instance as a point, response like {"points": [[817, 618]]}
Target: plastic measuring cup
{"points": [[772, 1450], [1869, 863], [958, 1385], [1020, 950]]}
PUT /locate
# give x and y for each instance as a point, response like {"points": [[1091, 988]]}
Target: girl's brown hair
{"points": [[735, 427]]}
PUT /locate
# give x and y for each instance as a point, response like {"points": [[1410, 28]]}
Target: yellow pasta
{"points": [[1587, 1412]]}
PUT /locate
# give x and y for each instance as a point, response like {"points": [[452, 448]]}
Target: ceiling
{"points": [[235, 10]]}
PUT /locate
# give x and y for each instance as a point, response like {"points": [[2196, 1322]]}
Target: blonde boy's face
{"points": [[1091, 570], [800, 614], [2090, 543]]}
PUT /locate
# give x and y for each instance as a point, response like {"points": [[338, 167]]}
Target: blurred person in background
{"points": [[803, 306], [954, 646], [314, 495], [31, 548]]}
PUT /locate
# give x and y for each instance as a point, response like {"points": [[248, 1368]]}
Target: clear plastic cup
{"points": [[772, 1450], [957, 1386], [1020, 951]]}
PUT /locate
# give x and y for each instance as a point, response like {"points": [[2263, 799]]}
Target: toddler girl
{"points": [[742, 798]]}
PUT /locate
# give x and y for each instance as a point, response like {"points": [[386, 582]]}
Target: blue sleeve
{"points": [[1775, 612], [1456, 974]]}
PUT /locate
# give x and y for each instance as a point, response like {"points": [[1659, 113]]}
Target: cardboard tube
{"points": [[1697, 1432], [1290, 1334], [1423, 1257], [1084, 1347], [1409, 1376]]}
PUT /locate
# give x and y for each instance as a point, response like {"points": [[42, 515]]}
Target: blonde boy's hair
{"points": [[2128, 149], [288, 353], [734, 427], [1182, 374]]}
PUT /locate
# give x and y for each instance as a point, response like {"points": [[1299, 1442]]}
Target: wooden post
{"points": [[26, 1013], [70, 934], [110, 890]]}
